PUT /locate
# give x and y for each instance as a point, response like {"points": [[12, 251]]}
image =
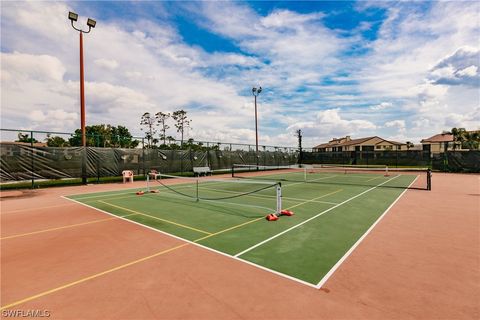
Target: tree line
{"points": [[108, 136], [465, 139], [158, 123], [101, 135]]}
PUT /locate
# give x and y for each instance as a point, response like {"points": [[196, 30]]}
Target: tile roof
{"points": [[442, 137], [336, 143]]}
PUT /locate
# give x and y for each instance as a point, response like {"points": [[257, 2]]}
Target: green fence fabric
{"points": [[457, 161], [29, 162], [390, 158], [26, 162]]}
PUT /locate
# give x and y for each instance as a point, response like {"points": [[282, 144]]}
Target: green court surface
{"points": [[329, 218]]}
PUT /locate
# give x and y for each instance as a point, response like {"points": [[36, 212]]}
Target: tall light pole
{"points": [[72, 16], [256, 92]]}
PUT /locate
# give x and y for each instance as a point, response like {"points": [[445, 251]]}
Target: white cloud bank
{"points": [[419, 77]]}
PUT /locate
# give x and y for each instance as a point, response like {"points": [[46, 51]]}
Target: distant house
{"points": [[439, 143], [362, 144]]}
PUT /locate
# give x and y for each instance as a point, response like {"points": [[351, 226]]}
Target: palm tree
{"points": [[459, 136], [472, 140]]}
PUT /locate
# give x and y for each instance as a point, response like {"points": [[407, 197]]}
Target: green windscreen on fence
{"points": [[35, 161], [25, 162]]}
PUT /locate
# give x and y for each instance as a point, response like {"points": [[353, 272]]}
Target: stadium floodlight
{"points": [[256, 92], [73, 17], [91, 23]]}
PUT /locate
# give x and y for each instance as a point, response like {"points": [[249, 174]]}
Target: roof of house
{"points": [[336, 143], [442, 137]]}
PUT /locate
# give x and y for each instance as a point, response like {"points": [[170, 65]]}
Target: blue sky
{"points": [[400, 70]]}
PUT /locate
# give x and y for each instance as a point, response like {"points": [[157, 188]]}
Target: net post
{"points": [[197, 191], [429, 179], [279, 198], [148, 183], [304, 174]]}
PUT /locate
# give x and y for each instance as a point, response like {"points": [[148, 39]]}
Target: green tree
{"points": [[149, 123], [458, 136], [56, 141], [162, 122], [103, 135], [122, 138], [25, 138], [182, 123], [472, 140]]}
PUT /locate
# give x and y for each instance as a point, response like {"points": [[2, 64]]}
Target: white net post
{"points": [[148, 183], [198, 198], [305, 174], [279, 198]]}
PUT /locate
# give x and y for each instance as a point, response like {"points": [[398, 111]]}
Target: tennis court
{"points": [[334, 208]]}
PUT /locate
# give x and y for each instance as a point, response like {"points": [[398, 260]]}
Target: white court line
{"points": [[309, 219], [197, 244], [347, 254], [234, 257]]}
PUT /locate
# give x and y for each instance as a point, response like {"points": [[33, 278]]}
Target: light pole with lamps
{"points": [[256, 92], [72, 16]]}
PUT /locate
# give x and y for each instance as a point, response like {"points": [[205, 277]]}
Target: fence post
{"points": [[396, 157], [98, 154], [143, 155], [32, 168]]}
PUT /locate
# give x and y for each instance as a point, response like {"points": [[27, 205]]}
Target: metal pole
{"points": [[143, 155], [32, 161], [82, 93], [82, 113], [256, 131]]}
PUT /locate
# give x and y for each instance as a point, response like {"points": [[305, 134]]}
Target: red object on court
{"points": [[287, 213], [140, 193], [272, 217], [154, 191]]}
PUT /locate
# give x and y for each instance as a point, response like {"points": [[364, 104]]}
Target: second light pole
{"points": [[72, 16], [256, 92]]}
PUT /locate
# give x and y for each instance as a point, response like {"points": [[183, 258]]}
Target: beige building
{"points": [[439, 143], [362, 144]]}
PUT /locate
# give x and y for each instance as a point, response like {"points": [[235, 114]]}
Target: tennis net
{"points": [[258, 194], [411, 178]]}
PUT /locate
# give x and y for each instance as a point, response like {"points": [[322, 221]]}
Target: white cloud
{"points": [[329, 123], [106, 63], [468, 71], [20, 66], [396, 124], [459, 68], [381, 106], [424, 63]]}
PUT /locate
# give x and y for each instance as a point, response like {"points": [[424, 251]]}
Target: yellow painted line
{"points": [[153, 217], [63, 227], [71, 284], [229, 229], [312, 200], [37, 208], [255, 220]]}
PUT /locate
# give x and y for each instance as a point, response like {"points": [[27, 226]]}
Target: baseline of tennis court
{"points": [[329, 219]]}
